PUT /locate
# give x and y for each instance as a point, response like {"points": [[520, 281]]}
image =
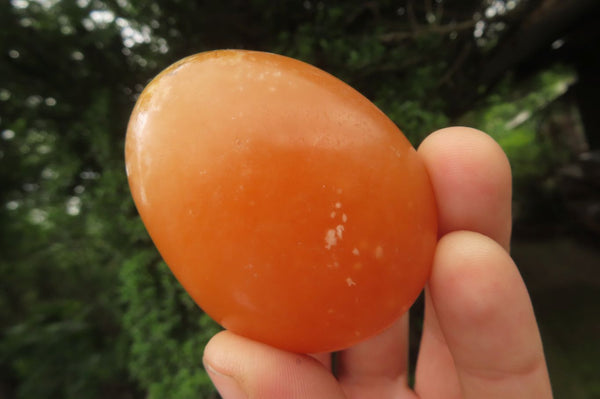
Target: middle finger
{"points": [[377, 367]]}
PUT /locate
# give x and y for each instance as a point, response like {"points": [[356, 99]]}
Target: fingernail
{"points": [[228, 387]]}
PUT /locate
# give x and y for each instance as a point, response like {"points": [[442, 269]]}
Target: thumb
{"points": [[242, 368]]}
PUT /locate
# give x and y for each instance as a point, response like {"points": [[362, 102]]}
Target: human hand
{"points": [[480, 337]]}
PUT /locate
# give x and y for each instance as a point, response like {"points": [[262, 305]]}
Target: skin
{"points": [[480, 337]]}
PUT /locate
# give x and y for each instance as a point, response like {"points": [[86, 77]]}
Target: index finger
{"points": [[472, 187]]}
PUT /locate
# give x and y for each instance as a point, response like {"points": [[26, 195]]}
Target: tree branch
{"points": [[412, 19], [458, 62], [391, 37], [545, 24]]}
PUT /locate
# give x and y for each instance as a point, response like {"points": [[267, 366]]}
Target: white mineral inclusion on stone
{"points": [[396, 151], [339, 229], [330, 238], [350, 282], [355, 251], [379, 252]]}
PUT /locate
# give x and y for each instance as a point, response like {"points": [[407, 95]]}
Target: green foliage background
{"points": [[87, 307]]}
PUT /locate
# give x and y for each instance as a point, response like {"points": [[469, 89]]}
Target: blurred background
{"points": [[87, 307]]}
